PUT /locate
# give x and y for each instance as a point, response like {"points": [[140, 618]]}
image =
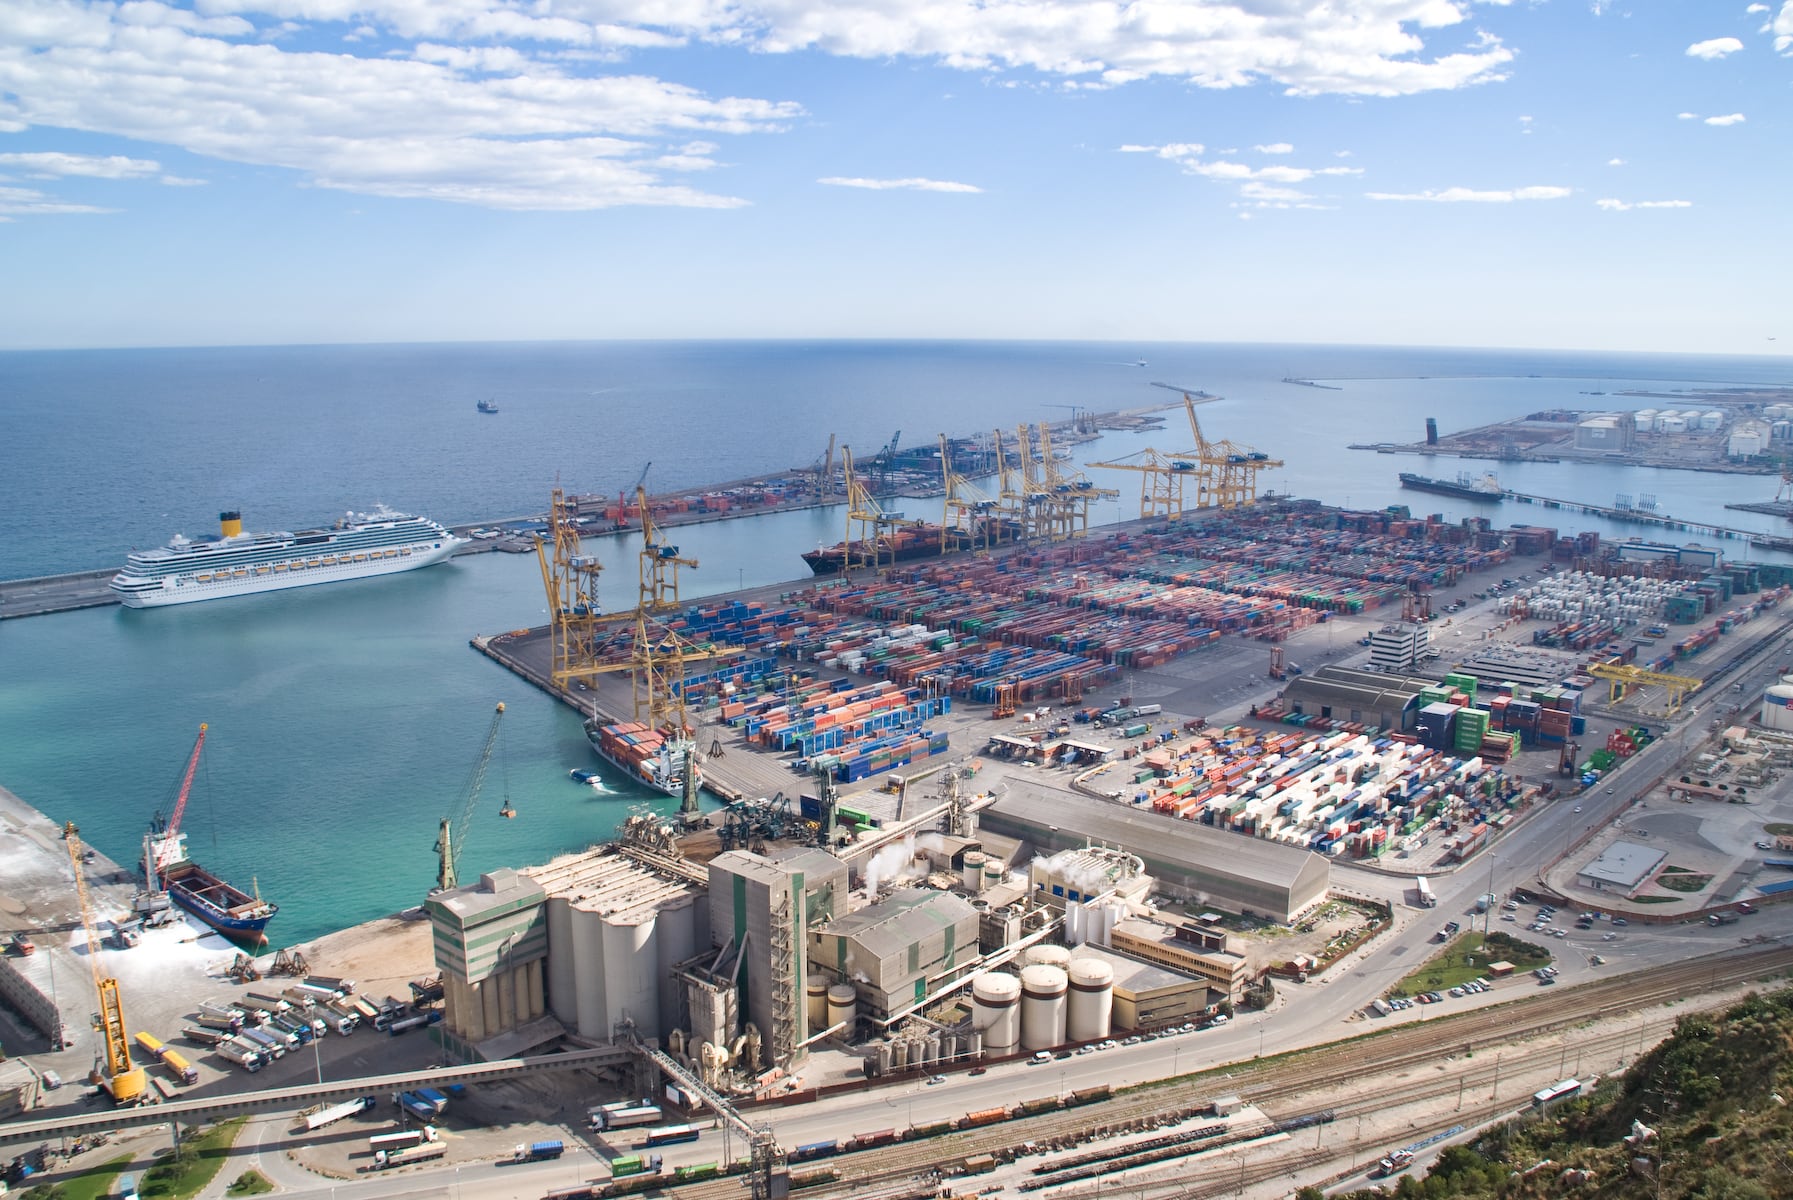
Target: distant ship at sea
{"points": [[234, 563], [1466, 486], [487, 406]]}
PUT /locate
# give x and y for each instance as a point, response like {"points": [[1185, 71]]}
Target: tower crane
{"points": [[164, 847], [660, 563], [452, 836], [127, 1082], [969, 516]]}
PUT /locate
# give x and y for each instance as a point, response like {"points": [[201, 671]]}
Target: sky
{"points": [[1578, 174]]}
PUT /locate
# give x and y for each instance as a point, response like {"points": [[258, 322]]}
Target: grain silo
{"points": [[840, 1008], [996, 1011], [1090, 1014], [973, 876], [815, 1001], [1043, 991], [1046, 954]]}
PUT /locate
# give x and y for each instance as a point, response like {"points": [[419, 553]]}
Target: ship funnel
{"points": [[230, 523]]}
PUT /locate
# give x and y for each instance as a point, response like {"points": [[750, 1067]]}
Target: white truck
{"points": [[331, 1113]]}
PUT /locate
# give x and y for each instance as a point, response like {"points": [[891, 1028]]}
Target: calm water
{"points": [[344, 720]]}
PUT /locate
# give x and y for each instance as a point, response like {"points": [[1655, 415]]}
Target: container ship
{"points": [[907, 545], [1465, 486], [234, 563], [227, 908], [647, 755]]}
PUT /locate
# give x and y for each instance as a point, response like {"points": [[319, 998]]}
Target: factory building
{"points": [[1189, 948], [1080, 875], [1610, 433], [1622, 867], [616, 929], [888, 950], [761, 911], [1186, 859], [1389, 701], [491, 942]]}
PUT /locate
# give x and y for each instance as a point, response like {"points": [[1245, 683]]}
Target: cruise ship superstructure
{"points": [[235, 563]]}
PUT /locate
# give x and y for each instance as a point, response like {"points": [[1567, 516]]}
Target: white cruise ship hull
{"points": [[189, 587]]}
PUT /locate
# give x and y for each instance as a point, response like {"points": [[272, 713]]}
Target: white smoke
{"points": [[895, 861]]}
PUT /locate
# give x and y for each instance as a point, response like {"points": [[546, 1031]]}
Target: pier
{"points": [[1705, 529]]}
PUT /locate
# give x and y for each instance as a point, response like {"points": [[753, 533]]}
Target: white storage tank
{"points": [[1043, 1014], [1781, 431], [973, 876], [1712, 420], [996, 1011], [815, 1002], [1672, 424], [840, 1008], [1047, 955], [992, 873], [1090, 1014], [1645, 419], [1777, 705]]}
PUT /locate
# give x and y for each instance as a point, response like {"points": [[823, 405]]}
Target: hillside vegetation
{"points": [[1711, 1101]]}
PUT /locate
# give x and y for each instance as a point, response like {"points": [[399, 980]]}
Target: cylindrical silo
{"points": [[992, 874], [1090, 1014], [973, 877], [815, 1002], [1042, 1007], [840, 1008], [899, 1055], [996, 1011], [1073, 923], [1048, 955], [1777, 705]]}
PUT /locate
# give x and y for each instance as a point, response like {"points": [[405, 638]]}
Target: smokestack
{"points": [[230, 523], [1431, 431]]}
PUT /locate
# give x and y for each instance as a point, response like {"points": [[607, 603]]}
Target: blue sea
{"points": [[345, 719]]}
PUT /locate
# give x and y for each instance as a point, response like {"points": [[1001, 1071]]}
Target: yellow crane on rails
{"points": [[124, 1080], [578, 632], [969, 516], [1229, 471], [873, 521], [1620, 678], [660, 563], [1163, 480], [1070, 493]]}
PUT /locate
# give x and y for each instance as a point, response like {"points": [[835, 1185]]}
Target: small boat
{"points": [[487, 406], [582, 776]]}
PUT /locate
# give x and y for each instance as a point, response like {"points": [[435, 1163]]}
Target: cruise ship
{"points": [[235, 563]]}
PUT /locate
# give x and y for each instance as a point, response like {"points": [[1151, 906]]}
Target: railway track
{"points": [[1308, 1073]]}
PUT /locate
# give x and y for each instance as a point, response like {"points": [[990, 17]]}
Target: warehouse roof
{"points": [[904, 918], [602, 881], [1249, 873], [1346, 687]]}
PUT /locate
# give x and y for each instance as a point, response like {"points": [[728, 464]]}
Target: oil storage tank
{"points": [[1090, 1013], [1043, 990], [996, 1011], [1777, 706]]}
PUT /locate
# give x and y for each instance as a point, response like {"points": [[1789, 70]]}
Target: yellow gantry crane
{"points": [[1230, 470], [969, 520], [1620, 678], [127, 1082], [577, 629], [873, 521], [660, 563], [1163, 480], [1069, 494]]}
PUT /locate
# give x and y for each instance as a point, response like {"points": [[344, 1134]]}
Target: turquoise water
{"points": [[345, 719]]}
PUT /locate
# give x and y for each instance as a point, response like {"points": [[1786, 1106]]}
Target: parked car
{"points": [[1620, 921]]}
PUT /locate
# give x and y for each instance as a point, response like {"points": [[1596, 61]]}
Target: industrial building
{"points": [[1189, 948], [888, 950], [1084, 873], [1621, 867], [1225, 870], [1611, 433], [1148, 996], [491, 943], [1388, 701], [1399, 646]]}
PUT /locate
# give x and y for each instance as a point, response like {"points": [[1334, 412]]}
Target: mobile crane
{"points": [[126, 1082], [452, 835]]}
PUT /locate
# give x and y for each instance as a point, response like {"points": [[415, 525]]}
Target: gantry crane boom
{"points": [[1071, 493], [864, 510], [120, 1076], [451, 837], [1229, 471], [1163, 480], [968, 519], [1620, 677], [660, 563], [167, 846]]}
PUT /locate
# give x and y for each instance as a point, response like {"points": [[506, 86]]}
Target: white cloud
{"points": [[179, 181], [17, 201], [1687, 116], [1713, 48], [1756, 9], [49, 164], [1728, 119], [485, 125], [1460, 195], [1626, 206], [918, 185], [1525, 120], [1615, 162], [1782, 28], [1275, 148]]}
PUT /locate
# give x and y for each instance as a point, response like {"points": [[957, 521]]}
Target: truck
{"points": [[1426, 899], [405, 1024], [222, 1012], [1722, 918], [1138, 729], [537, 1151], [331, 1113], [1485, 901], [341, 1022], [1396, 1162], [266, 1003], [1148, 710], [205, 1037], [332, 983], [177, 1064], [228, 1026], [436, 1100], [271, 1046], [401, 1139], [398, 1158], [236, 1051], [415, 1107]]}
